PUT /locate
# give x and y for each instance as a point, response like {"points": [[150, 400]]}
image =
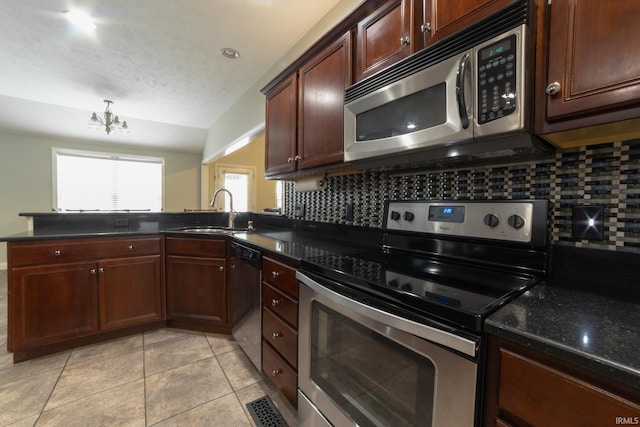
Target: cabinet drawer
{"points": [[281, 304], [531, 391], [281, 336], [280, 276], [207, 247], [68, 250], [282, 375]]}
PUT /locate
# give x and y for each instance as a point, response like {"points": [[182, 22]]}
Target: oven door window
{"points": [[374, 380]]}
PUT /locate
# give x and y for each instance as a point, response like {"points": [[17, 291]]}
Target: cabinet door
{"points": [[130, 291], [196, 290], [322, 82], [53, 303], [594, 56], [443, 18], [280, 128], [384, 37]]}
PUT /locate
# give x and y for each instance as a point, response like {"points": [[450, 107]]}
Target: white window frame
{"points": [[221, 169], [105, 155]]}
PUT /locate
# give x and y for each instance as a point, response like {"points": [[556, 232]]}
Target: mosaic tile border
{"points": [[607, 175]]}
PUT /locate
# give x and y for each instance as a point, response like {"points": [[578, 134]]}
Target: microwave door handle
{"points": [[460, 90]]}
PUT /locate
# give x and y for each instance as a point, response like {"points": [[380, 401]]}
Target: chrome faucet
{"points": [[232, 213]]}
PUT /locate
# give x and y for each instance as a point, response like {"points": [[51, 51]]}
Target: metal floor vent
{"points": [[265, 414]]}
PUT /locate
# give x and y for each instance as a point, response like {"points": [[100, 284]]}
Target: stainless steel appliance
{"points": [[463, 99], [244, 284], [393, 336]]}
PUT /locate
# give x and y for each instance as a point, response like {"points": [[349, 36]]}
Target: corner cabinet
{"points": [[63, 292], [592, 67], [528, 388], [305, 113], [196, 284]]}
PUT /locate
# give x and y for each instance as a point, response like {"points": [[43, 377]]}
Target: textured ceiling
{"points": [[158, 60]]}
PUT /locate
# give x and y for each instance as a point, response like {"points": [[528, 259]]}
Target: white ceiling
{"points": [[159, 61]]}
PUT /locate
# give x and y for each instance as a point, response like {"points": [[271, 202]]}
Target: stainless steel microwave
{"points": [[477, 94]]}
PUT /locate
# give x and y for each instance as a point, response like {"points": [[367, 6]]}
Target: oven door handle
{"points": [[430, 333]]}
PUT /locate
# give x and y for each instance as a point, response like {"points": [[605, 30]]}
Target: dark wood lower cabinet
{"points": [[196, 291], [130, 291], [197, 296], [528, 388], [52, 303]]}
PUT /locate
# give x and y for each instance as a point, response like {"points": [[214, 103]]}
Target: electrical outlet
{"points": [[587, 222], [348, 212], [299, 210]]}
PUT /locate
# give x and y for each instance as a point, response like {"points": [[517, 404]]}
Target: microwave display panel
{"points": [[497, 80], [421, 110]]}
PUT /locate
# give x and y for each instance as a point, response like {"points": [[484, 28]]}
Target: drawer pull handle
{"points": [[275, 372], [275, 302], [130, 247], [276, 335], [57, 252], [275, 274]]}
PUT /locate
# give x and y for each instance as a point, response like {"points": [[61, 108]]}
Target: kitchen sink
{"points": [[209, 229]]}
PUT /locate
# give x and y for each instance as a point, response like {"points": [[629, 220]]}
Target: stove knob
{"points": [[516, 221], [408, 216], [394, 283], [407, 287], [491, 220], [395, 215]]}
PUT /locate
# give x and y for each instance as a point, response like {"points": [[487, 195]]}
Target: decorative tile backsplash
{"points": [[607, 175]]}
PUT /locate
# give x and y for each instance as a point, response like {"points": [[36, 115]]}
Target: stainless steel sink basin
{"points": [[208, 229]]}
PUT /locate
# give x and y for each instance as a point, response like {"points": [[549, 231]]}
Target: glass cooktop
{"points": [[449, 291]]}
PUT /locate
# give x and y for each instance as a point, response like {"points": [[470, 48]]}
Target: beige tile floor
{"points": [[167, 377]]}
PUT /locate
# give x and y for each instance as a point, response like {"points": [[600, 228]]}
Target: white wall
{"points": [[26, 178], [246, 117]]}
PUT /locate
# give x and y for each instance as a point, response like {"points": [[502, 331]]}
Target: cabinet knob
{"points": [[404, 41], [553, 88], [57, 252], [275, 302], [221, 268], [275, 274], [101, 270], [92, 271], [276, 335], [290, 160], [297, 157], [130, 247], [275, 372], [426, 27]]}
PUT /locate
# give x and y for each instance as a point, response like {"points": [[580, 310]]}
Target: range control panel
{"points": [[509, 220]]}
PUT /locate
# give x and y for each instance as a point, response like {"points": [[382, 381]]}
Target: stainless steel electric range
{"points": [[394, 336]]}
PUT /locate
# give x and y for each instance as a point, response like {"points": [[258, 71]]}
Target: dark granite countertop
{"points": [[567, 318]]}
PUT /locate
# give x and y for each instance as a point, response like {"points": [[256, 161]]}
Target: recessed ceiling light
{"points": [[80, 20], [230, 53]]}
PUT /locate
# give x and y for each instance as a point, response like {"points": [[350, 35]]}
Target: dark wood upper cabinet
{"points": [[442, 18], [322, 82], [280, 127], [305, 113], [593, 60], [384, 37]]}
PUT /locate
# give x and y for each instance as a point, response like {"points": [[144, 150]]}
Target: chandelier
{"points": [[109, 121]]}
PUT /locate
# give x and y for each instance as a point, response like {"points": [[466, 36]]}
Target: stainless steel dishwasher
{"points": [[244, 278]]}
